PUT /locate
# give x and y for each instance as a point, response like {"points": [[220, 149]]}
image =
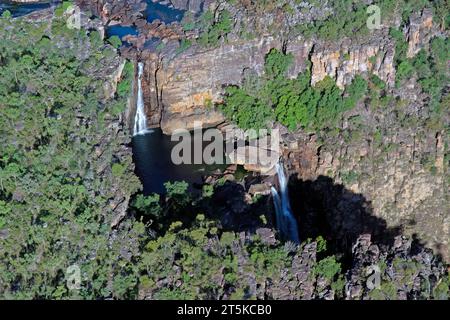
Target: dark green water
{"points": [[154, 166]]}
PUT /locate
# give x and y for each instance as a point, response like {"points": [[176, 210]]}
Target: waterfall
{"points": [[140, 120], [286, 223]]}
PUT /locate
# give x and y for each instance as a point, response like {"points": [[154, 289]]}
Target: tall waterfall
{"points": [[286, 223], [140, 120]]}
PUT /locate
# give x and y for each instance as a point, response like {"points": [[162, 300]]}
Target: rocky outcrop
{"points": [[400, 171], [346, 60], [419, 32], [402, 271], [192, 82], [194, 6], [125, 12], [110, 85]]}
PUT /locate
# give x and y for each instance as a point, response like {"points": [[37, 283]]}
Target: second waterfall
{"points": [[286, 223], [140, 120]]}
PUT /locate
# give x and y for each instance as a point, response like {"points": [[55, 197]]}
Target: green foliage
{"points": [[328, 268], [442, 289], [124, 85], [338, 286], [349, 17], [184, 45], [248, 112], [208, 191], [387, 291], [355, 92], [377, 82], [401, 47], [177, 193], [148, 205], [430, 68], [277, 63], [321, 244], [200, 263], [293, 102], [56, 148], [350, 177], [115, 41], [117, 169], [176, 189], [6, 14], [212, 30], [66, 4]]}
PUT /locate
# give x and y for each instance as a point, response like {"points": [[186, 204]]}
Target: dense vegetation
{"points": [[59, 170], [66, 177], [62, 175], [428, 67], [340, 18], [293, 102]]}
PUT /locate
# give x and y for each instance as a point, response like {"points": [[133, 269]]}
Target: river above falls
{"points": [[21, 9], [154, 11]]}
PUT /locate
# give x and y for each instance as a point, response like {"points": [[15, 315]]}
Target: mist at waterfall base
{"points": [[285, 220]]}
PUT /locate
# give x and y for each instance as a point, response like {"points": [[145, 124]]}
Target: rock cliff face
{"points": [[193, 81], [419, 32], [191, 5], [344, 61], [393, 175]]}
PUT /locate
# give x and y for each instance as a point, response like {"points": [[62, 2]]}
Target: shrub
{"points": [[277, 63], [148, 205], [328, 268], [115, 41]]}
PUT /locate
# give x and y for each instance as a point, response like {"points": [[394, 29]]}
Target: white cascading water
{"points": [[286, 222], [140, 120]]}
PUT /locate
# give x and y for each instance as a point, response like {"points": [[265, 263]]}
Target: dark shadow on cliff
{"points": [[322, 208], [326, 209], [237, 211]]}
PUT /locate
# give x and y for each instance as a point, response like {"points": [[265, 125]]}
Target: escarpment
{"points": [[392, 173], [399, 167], [189, 84], [349, 205]]}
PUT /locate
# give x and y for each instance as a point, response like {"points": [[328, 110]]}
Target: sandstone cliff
{"points": [[193, 81], [393, 174]]}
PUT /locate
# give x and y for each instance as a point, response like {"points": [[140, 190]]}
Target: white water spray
{"points": [[286, 223], [140, 120]]}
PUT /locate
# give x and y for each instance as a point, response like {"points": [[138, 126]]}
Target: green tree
{"points": [[115, 41]]}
